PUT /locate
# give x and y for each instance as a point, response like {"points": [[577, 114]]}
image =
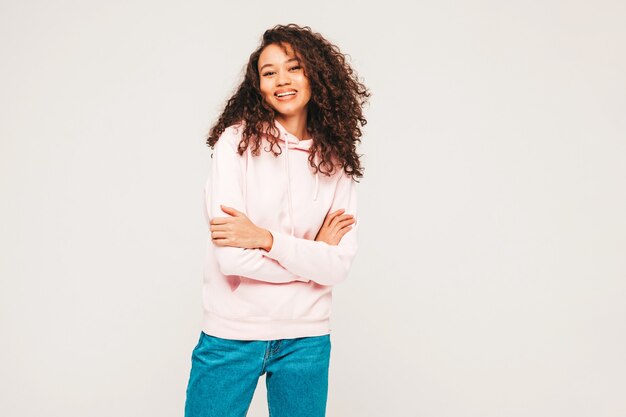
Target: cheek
{"points": [[307, 89], [264, 89]]}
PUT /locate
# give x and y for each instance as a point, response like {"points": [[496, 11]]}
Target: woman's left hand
{"points": [[237, 230]]}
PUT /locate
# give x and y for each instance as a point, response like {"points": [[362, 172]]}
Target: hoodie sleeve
{"points": [[225, 186], [320, 262]]}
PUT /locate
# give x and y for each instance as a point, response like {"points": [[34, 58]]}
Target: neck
{"points": [[296, 125]]}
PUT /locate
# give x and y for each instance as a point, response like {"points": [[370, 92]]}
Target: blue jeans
{"points": [[225, 373]]}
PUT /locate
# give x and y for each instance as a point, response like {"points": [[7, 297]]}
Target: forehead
{"points": [[274, 54]]}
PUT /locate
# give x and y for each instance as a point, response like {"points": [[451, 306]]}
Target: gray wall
{"points": [[491, 275]]}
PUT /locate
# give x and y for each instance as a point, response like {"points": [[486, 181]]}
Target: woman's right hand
{"points": [[335, 226]]}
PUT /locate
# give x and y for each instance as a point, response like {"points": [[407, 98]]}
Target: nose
{"points": [[282, 78]]}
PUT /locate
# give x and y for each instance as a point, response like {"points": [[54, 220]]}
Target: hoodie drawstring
{"points": [[315, 158], [288, 184], [316, 178]]}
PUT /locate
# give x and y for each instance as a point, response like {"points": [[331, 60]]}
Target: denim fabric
{"points": [[225, 372]]}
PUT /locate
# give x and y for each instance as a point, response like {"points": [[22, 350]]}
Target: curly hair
{"points": [[334, 111]]}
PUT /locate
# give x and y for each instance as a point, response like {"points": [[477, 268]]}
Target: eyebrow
{"points": [[269, 65]]}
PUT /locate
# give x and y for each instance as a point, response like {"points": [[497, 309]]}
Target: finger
{"points": [[230, 210], [219, 235], [335, 218], [340, 218], [219, 242], [221, 220], [330, 216], [343, 231], [340, 231], [346, 222]]}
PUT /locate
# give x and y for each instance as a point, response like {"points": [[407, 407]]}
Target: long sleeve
{"points": [[323, 263], [225, 186]]}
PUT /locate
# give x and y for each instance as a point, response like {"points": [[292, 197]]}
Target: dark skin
{"points": [[239, 231]]}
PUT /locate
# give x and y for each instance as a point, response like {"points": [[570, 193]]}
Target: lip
{"points": [[285, 98]]}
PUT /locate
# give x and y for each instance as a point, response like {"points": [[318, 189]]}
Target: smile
{"points": [[285, 94]]}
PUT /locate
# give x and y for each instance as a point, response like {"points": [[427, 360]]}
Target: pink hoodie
{"points": [[253, 294]]}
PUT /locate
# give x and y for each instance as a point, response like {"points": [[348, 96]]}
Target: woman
{"points": [[281, 207]]}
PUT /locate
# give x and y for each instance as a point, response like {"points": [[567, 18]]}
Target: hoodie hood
{"points": [[297, 145]]}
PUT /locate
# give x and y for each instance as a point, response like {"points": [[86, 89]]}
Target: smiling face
{"points": [[283, 83]]}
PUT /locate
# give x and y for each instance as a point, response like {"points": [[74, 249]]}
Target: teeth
{"points": [[289, 93]]}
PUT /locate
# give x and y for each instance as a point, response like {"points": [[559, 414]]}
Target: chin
{"points": [[287, 111]]}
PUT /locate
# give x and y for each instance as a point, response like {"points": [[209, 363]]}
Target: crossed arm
{"points": [[242, 248]]}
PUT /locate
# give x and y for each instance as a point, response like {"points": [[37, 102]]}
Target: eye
{"points": [[268, 73], [296, 67]]}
